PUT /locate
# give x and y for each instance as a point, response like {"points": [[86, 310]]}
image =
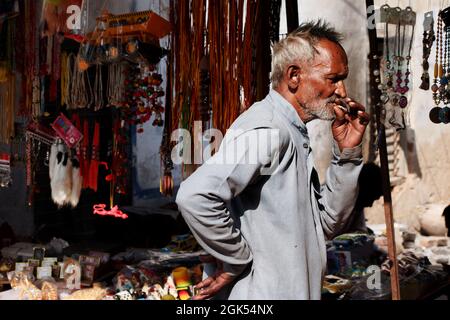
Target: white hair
{"points": [[299, 47]]}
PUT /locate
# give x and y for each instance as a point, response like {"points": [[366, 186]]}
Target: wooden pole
{"points": [[374, 62], [292, 15]]}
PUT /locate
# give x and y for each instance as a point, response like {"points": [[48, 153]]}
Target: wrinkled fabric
{"points": [[269, 230]]}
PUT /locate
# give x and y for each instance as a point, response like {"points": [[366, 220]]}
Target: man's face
{"points": [[321, 81]]}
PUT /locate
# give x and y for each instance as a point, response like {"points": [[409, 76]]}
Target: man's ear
{"points": [[293, 74]]}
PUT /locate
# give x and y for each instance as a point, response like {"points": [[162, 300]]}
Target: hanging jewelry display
{"points": [[397, 65], [441, 87], [427, 42]]}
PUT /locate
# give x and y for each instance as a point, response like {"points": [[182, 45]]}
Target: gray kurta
{"points": [[270, 229]]}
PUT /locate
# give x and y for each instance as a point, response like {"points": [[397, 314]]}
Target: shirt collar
{"points": [[286, 108]]}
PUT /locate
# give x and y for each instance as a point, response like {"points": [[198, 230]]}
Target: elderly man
{"points": [[266, 221]]}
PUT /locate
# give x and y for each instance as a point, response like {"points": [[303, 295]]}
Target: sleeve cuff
{"points": [[354, 153], [234, 269]]}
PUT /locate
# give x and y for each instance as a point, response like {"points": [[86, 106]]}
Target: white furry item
{"points": [[61, 182], [52, 160], [77, 182]]}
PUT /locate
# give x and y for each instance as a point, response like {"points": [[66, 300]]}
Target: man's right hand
{"points": [[209, 287]]}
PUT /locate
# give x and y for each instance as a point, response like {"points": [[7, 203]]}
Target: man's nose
{"points": [[341, 91]]}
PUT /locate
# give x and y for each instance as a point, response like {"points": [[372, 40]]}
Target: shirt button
{"points": [[305, 145]]}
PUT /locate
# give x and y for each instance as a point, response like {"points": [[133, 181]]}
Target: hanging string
{"points": [[69, 99], [248, 54], [81, 89], [65, 79], [98, 88], [116, 84]]}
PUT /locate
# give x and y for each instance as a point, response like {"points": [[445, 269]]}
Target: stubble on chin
{"points": [[323, 112]]}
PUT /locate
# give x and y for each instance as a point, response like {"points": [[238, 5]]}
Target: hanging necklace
{"points": [[435, 88], [444, 113], [403, 89], [399, 57], [388, 72], [446, 68], [440, 87], [428, 40]]}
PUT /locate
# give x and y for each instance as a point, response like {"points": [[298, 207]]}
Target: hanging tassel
{"points": [[77, 182], [95, 158]]}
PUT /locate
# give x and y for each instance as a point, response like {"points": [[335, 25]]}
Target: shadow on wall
{"points": [[409, 146]]}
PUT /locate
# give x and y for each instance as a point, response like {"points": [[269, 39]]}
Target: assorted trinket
{"points": [[143, 93]]}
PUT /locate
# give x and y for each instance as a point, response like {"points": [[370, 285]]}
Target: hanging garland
{"points": [[248, 58], [197, 35], [184, 58], [219, 73], [7, 81], [7, 104], [7, 84]]}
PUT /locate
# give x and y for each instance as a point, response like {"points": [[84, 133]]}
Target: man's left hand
{"points": [[348, 129]]}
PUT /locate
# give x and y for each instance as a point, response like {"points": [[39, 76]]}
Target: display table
{"points": [[10, 295]]}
